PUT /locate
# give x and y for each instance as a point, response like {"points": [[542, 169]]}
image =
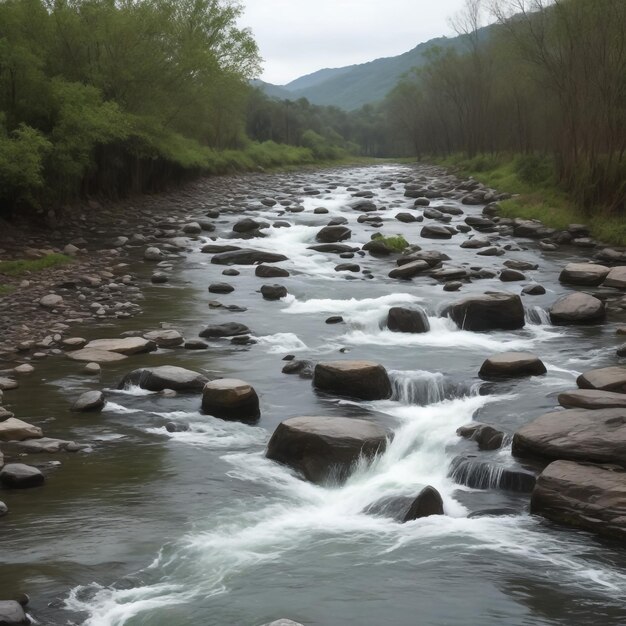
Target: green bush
{"points": [[397, 242], [533, 169]]}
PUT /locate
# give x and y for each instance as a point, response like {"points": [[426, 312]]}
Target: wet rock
{"points": [[475, 243], [432, 231], [597, 436], [221, 288], [166, 338], [534, 289], [434, 214], [153, 254], [195, 344], [92, 369], [512, 365], [49, 446], [165, 377], [528, 228], [432, 257], [273, 292], [74, 343], [479, 223], [20, 476], [231, 399], [283, 622], [325, 448], [348, 267], [267, 271], [4, 509], [584, 496], [509, 275], [478, 473], [192, 228], [24, 369], [450, 273], [377, 247], [491, 311], [592, 399], [230, 329], [406, 218], [246, 225], [616, 278], [231, 272], [332, 248], [243, 340], [90, 401], [492, 251], [247, 257], [577, 308], [495, 512], [12, 614], [604, 379], [303, 368], [51, 301], [427, 503], [175, 427], [127, 346], [212, 248], [5, 414], [13, 429], [487, 437], [159, 278], [333, 234], [453, 285], [521, 266], [583, 274], [358, 379], [334, 319], [404, 320], [364, 206]]}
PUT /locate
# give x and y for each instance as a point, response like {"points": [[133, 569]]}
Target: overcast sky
{"points": [[297, 37]]}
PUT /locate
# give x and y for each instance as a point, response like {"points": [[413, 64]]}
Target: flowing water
{"points": [[197, 527]]}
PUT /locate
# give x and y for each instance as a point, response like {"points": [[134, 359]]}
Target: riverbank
{"points": [[536, 196]]}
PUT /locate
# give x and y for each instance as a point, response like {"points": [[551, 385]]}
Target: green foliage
{"points": [[395, 242], [5, 290], [322, 148], [534, 169], [23, 266]]}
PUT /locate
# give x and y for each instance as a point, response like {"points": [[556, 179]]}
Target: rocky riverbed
{"points": [[241, 403]]}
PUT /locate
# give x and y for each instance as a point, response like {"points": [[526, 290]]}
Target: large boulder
{"points": [[230, 329], [604, 379], [247, 257], [427, 503], [592, 399], [403, 320], [13, 429], [616, 278], [325, 448], [358, 379], [575, 434], [512, 365], [12, 614], [577, 308], [231, 399], [90, 401], [583, 274], [491, 311], [20, 476], [127, 345], [165, 377], [590, 497], [333, 234]]}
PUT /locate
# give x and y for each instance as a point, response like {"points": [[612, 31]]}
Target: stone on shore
{"points": [[325, 448], [427, 503], [577, 308], [403, 320], [604, 379], [590, 497], [51, 301], [13, 429], [597, 436], [592, 399], [357, 379], [588, 274], [231, 399], [165, 377], [512, 365], [491, 311], [20, 476], [127, 346], [247, 257], [12, 614], [89, 402]]}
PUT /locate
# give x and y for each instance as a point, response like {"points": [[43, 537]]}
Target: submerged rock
{"points": [[483, 474], [487, 437], [358, 379]]}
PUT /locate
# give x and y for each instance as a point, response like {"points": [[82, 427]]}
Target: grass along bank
{"points": [[536, 195], [20, 267]]}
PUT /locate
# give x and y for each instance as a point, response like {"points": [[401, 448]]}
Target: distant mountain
{"points": [[353, 86], [273, 91]]}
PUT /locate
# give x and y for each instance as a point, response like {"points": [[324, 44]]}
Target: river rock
{"points": [[592, 399], [475, 243], [7, 384], [534, 289], [92, 369], [406, 218], [378, 247], [487, 437], [13, 429], [273, 292], [432, 257], [247, 257], [4, 509], [479, 473], [427, 503], [221, 288], [333, 234], [230, 329], [267, 271], [153, 254], [246, 225], [616, 278], [165, 377], [51, 301], [364, 206], [403, 320], [90, 401], [577, 308], [491, 311], [127, 346], [166, 338], [597, 436], [232, 399], [358, 379], [283, 622], [582, 495], [432, 231], [332, 248], [509, 275], [325, 448], [74, 343], [20, 476], [583, 274], [522, 266], [12, 614], [604, 379], [512, 365]]}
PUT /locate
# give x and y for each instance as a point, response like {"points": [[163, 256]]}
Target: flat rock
{"points": [[577, 308], [597, 436], [604, 379], [584, 496], [358, 379], [93, 355], [167, 338], [165, 377], [592, 399], [247, 257], [232, 399], [325, 448], [616, 278], [512, 365], [127, 346], [583, 274], [13, 429]]}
